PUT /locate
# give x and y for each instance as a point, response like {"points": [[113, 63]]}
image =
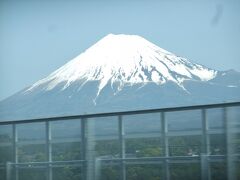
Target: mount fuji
{"points": [[118, 73]]}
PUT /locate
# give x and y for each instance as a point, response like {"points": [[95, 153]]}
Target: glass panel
{"points": [[184, 120], [66, 151], [185, 146], [237, 169], [142, 123], [66, 140], [103, 137], [2, 174], [233, 117], [32, 153], [215, 118], [32, 174], [185, 171], [110, 172], [66, 129], [31, 132], [32, 142], [145, 172], [143, 135], [235, 141], [6, 153], [5, 133], [217, 144], [143, 147], [6, 143], [67, 173], [218, 171]]}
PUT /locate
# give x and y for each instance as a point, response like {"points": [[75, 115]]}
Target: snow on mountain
{"points": [[126, 59], [122, 73]]}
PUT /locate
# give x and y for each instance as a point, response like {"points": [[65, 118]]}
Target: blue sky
{"points": [[37, 37]]}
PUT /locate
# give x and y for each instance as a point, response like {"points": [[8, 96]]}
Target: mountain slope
{"points": [[121, 72]]}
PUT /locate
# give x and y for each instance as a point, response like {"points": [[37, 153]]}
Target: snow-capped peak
{"points": [[126, 59]]}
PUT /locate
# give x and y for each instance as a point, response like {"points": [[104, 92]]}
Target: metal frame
{"points": [[87, 162]]}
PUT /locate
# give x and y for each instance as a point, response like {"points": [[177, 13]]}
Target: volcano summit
{"points": [[122, 72]]}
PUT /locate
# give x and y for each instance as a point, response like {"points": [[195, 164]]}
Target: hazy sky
{"points": [[38, 36]]}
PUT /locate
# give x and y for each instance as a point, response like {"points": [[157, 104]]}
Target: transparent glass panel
{"points": [[6, 153], [66, 151], [237, 169], [235, 142], [217, 144], [32, 153], [218, 171], [31, 132], [103, 127], [5, 133], [145, 172], [185, 146], [102, 136], [106, 149], [109, 172], [6, 143], [65, 129], [66, 140], [2, 174], [233, 118], [215, 118], [184, 120], [32, 174], [67, 173], [185, 171], [31, 142], [143, 147], [142, 123], [143, 135]]}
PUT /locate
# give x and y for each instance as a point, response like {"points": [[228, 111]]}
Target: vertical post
{"points": [[8, 171], [49, 149], [229, 150], [165, 145], [83, 149], [90, 149], [15, 150], [122, 147], [205, 174], [205, 137]]}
